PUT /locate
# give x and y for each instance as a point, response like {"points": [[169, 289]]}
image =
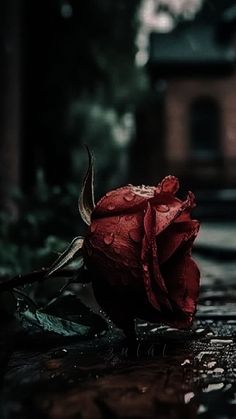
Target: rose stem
{"points": [[35, 276]]}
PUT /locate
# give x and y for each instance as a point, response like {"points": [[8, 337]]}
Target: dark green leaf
{"points": [[55, 324], [65, 316], [71, 307]]}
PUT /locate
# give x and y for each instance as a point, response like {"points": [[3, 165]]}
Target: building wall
{"points": [[179, 96]]}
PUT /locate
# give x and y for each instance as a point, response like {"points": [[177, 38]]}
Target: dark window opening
{"points": [[205, 129]]}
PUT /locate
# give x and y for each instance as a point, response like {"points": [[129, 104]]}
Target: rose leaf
{"points": [[86, 199]]}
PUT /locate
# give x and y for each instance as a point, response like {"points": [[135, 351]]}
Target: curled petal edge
{"points": [[169, 184], [151, 273]]}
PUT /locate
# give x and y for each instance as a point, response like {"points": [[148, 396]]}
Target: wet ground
{"points": [[170, 374]]}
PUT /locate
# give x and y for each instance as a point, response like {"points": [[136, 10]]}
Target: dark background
{"points": [[69, 77]]}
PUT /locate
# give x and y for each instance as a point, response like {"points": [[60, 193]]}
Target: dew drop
{"points": [[108, 238], [162, 208], [145, 268], [109, 193], [111, 207], [129, 197], [135, 235]]}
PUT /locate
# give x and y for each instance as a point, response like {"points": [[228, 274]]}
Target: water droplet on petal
{"points": [[162, 208], [111, 207], [145, 268], [129, 197], [144, 191], [108, 238], [135, 235], [109, 193]]}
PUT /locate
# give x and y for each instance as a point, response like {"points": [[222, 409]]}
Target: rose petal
{"points": [[174, 236], [175, 209], [169, 184], [113, 247], [182, 276], [120, 201], [114, 238], [153, 281]]}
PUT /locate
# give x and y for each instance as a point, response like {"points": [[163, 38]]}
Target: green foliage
{"points": [[48, 220], [55, 324]]}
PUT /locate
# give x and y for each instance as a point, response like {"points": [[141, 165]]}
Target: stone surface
{"points": [[217, 236]]}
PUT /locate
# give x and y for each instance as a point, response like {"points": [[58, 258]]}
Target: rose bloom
{"points": [[139, 247]]}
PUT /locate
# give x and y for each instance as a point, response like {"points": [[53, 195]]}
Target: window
{"points": [[205, 129]]}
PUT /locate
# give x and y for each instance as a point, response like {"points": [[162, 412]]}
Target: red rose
{"points": [[139, 245]]}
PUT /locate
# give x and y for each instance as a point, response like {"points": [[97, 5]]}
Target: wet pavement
{"points": [[169, 374], [220, 237]]}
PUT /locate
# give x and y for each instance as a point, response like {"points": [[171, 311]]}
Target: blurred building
{"points": [[193, 73]]}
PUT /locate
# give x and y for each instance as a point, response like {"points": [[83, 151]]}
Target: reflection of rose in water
{"points": [[157, 389]]}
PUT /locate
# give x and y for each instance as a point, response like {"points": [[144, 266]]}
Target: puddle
{"points": [[168, 373]]}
